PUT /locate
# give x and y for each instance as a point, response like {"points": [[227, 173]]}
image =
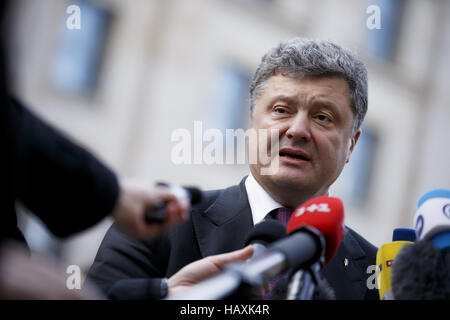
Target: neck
{"points": [[289, 196]]}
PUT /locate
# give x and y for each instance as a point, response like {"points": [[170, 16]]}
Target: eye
{"points": [[323, 118], [280, 110]]}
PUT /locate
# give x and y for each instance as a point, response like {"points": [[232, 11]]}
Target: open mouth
{"points": [[294, 154]]}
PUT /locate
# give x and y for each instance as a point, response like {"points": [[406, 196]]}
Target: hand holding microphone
{"points": [[203, 269], [142, 211], [185, 195]]}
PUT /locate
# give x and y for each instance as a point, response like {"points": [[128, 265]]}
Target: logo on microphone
{"points": [[419, 226], [446, 210], [321, 207]]}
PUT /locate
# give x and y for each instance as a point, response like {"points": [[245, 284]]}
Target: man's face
{"points": [[314, 119]]}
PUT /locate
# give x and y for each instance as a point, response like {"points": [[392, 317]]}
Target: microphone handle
{"points": [[156, 213], [303, 283], [258, 250]]}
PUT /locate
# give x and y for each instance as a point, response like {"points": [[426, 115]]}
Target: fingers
{"points": [[135, 198], [205, 268], [238, 255], [176, 209]]}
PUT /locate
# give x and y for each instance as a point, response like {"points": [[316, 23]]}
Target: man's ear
{"points": [[352, 144]]}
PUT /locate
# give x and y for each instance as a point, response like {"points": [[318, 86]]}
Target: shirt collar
{"points": [[261, 203]]}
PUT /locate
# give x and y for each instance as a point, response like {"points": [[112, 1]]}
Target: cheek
{"points": [[265, 122], [333, 151], [269, 129]]}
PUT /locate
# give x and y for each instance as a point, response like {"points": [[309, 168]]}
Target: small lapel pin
{"points": [[345, 262]]}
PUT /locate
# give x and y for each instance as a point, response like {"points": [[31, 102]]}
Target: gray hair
{"points": [[300, 57]]}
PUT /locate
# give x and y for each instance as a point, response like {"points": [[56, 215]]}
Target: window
{"points": [[356, 176], [77, 62], [231, 104], [381, 42]]}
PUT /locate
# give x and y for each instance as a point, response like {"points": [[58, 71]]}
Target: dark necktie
{"points": [[281, 214]]}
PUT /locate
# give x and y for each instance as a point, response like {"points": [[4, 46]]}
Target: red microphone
{"points": [[326, 215]]}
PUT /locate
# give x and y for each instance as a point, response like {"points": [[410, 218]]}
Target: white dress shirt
{"points": [[261, 203]]}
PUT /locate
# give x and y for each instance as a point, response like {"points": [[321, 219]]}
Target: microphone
{"points": [[433, 213], [304, 246], [157, 213], [327, 214], [263, 234], [385, 257], [422, 270]]}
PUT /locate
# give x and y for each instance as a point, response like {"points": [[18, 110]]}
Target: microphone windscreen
{"points": [[326, 214], [421, 272], [322, 290], [266, 232]]}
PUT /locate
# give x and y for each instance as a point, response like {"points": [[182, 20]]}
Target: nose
{"points": [[299, 128]]}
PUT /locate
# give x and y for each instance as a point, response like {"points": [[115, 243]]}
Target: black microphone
{"points": [[157, 213], [263, 234]]}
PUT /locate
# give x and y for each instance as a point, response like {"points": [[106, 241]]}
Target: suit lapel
{"points": [[224, 225], [345, 272]]}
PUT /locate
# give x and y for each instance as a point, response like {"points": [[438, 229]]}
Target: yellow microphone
{"points": [[386, 255]]}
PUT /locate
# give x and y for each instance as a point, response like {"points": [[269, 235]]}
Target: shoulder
{"points": [[216, 196], [368, 248]]}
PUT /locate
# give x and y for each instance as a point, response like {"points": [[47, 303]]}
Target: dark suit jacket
{"points": [[128, 269]]}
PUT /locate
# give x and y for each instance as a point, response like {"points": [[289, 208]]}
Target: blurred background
{"points": [[137, 70]]}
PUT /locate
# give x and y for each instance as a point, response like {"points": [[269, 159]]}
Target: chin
{"points": [[294, 182]]}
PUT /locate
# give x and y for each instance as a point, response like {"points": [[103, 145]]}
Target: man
{"points": [[315, 94]]}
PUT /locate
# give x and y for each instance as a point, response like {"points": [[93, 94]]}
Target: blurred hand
{"points": [[203, 269], [135, 197], [35, 277]]}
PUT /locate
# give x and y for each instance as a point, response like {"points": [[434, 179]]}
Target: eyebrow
{"points": [[284, 98], [292, 100], [324, 103]]}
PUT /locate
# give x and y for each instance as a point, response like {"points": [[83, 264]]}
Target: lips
{"points": [[294, 154]]}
